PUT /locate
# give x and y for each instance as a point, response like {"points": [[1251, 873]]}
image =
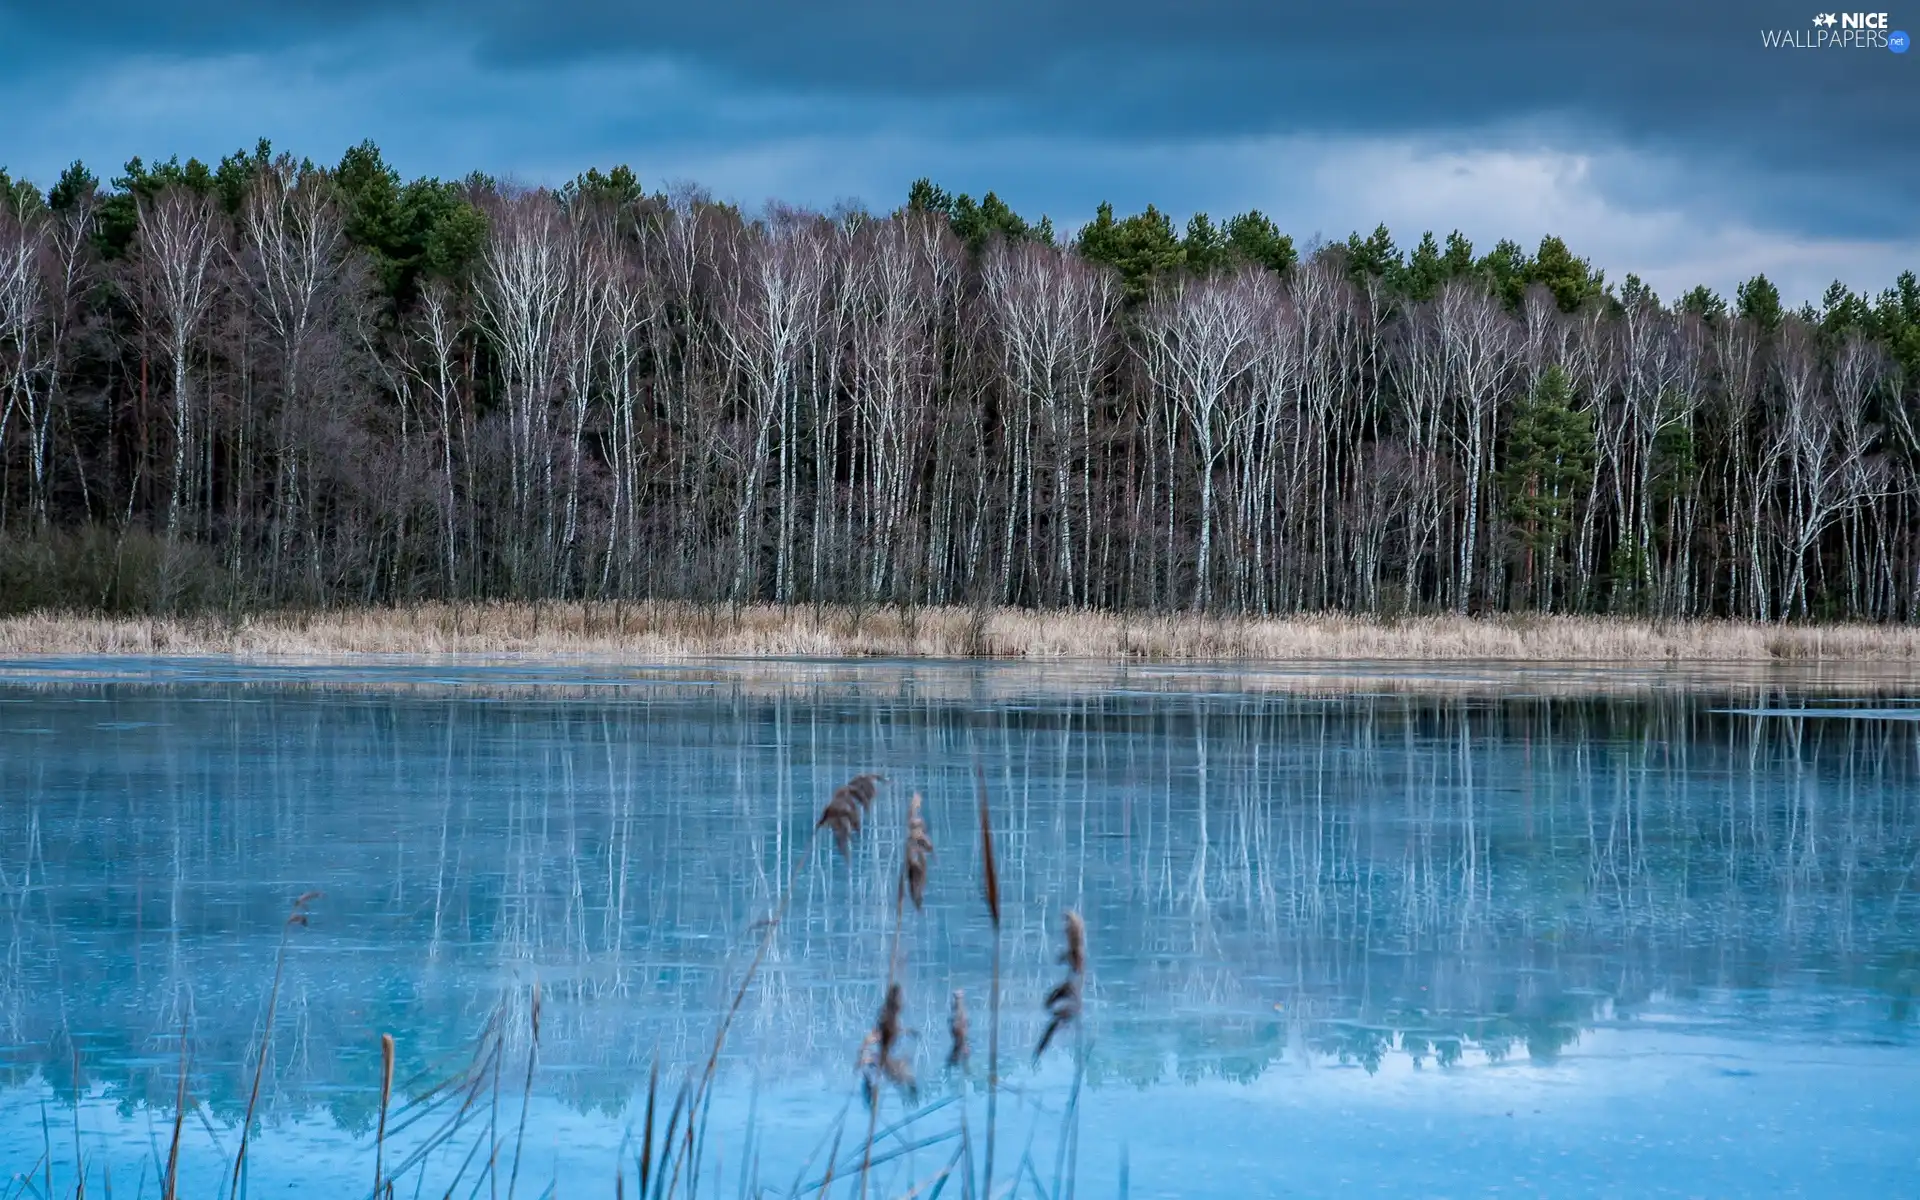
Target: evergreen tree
{"points": [[1426, 269], [1759, 301], [1507, 271], [1458, 260], [422, 226], [1573, 281], [1896, 322], [1705, 303], [1842, 312], [1549, 467], [925, 196], [1142, 248], [1253, 239], [613, 188], [1375, 255], [120, 210], [235, 176], [977, 223], [1635, 294], [18, 196], [1205, 246]]}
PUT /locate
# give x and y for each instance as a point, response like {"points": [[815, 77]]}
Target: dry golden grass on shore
{"points": [[657, 632]]}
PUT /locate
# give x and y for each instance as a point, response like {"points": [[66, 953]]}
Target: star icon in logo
{"points": [[1826, 20]]}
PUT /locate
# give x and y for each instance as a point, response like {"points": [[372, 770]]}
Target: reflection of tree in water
{"points": [[1266, 878]]}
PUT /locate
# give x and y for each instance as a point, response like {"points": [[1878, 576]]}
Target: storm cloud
{"points": [[1661, 138]]}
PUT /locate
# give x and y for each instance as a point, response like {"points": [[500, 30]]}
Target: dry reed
{"points": [[959, 1047], [849, 803], [467, 1083], [386, 1098], [297, 917], [913, 874], [644, 1168], [526, 1093], [1064, 1001], [841, 815], [79, 1156], [655, 631], [170, 1187], [880, 1062], [990, 888]]}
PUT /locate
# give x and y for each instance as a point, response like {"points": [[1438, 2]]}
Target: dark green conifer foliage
{"points": [[1549, 466], [424, 226], [1705, 303], [1205, 246], [235, 176], [19, 196], [120, 210], [613, 188], [1573, 281], [1507, 270], [976, 224], [1425, 269], [1254, 239], [1896, 322], [1759, 301], [1141, 248], [1374, 255]]}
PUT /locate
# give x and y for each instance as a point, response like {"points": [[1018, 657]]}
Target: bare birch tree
{"points": [[773, 288], [178, 239], [1202, 337]]}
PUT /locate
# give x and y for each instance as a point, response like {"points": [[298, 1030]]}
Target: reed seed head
{"points": [[1065, 1000], [989, 870], [298, 914], [844, 810], [919, 846], [957, 1026], [879, 1062], [1075, 953]]}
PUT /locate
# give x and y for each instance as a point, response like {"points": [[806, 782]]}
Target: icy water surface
{"points": [[1455, 932]]}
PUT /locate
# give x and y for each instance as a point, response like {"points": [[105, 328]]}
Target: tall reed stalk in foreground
{"points": [[386, 1097], [79, 1157], [990, 886], [842, 817], [1064, 1005], [959, 1050], [526, 1092], [170, 1185], [297, 917], [881, 1064], [466, 1085], [878, 1062]]}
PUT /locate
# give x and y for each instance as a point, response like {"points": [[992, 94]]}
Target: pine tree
{"points": [[1549, 459]]}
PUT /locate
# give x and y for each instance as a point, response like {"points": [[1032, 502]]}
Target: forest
{"points": [[269, 384]]}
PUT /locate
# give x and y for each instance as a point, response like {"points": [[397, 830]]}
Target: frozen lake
{"points": [[1446, 931]]}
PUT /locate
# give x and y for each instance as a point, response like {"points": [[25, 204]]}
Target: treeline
{"points": [[271, 383]]}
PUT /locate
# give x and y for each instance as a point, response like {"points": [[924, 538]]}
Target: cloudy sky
{"points": [[1656, 136]]}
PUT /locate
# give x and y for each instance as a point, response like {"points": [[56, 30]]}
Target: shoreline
{"points": [[658, 631]]}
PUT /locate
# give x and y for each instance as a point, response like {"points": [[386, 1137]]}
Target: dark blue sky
{"points": [[1658, 136]]}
